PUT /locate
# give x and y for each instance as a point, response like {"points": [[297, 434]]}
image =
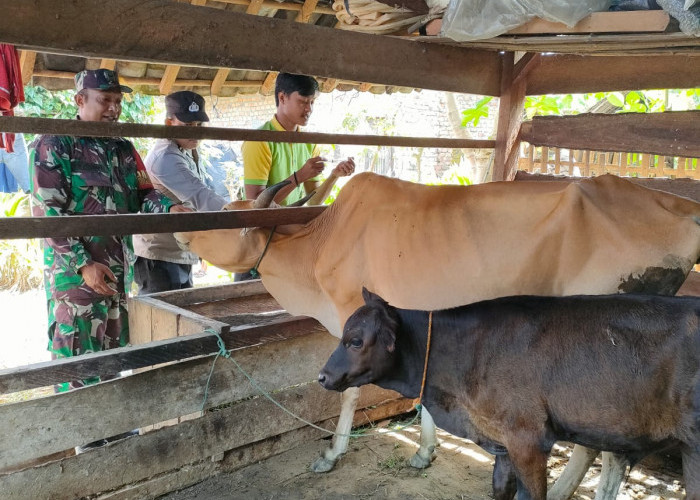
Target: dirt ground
{"points": [[376, 468]]}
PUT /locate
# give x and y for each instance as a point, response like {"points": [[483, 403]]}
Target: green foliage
{"points": [[647, 101], [21, 262], [479, 111]]}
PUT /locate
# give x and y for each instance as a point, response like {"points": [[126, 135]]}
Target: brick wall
{"points": [[418, 114]]}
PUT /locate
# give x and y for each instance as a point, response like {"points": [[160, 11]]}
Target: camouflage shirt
{"points": [[88, 176]]}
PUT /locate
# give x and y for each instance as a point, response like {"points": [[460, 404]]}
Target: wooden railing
{"points": [[574, 162]]}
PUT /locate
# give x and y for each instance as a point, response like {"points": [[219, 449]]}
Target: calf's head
{"points": [[367, 350]]}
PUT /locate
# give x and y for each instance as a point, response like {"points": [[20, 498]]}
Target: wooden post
{"points": [[510, 110], [26, 63]]}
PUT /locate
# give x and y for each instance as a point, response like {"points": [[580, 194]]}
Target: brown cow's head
{"points": [[235, 250], [366, 351]]}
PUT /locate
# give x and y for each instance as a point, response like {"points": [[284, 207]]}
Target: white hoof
{"points": [[418, 461], [322, 464]]}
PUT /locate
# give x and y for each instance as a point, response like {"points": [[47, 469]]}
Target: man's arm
{"points": [[50, 195], [172, 171]]}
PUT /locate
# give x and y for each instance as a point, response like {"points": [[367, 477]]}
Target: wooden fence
{"points": [[574, 162]]}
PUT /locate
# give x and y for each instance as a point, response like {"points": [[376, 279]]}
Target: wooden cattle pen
{"points": [[197, 421]]}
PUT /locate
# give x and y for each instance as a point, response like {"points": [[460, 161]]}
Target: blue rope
{"points": [[223, 352]]}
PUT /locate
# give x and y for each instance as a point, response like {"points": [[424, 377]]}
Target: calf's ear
{"points": [[372, 297]]}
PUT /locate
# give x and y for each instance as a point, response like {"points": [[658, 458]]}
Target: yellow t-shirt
{"points": [[267, 163]]}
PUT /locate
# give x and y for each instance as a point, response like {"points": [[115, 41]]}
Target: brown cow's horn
{"points": [[266, 197], [301, 202]]}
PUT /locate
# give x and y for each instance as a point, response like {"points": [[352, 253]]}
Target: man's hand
{"points": [[313, 167], [175, 209], [95, 274], [344, 168]]}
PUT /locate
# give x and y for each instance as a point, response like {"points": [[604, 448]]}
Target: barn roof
{"points": [[649, 33]]}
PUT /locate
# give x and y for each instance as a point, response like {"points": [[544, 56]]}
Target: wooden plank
{"points": [[646, 44], [125, 358], [95, 225], [672, 133], [109, 64], [596, 22], [218, 82], [168, 79], [167, 32], [27, 58], [329, 85], [170, 448], [16, 124], [35, 428], [140, 331], [601, 22], [164, 323], [213, 293], [580, 74], [275, 5], [254, 6], [688, 188], [268, 85], [510, 110], [308, 7], [144, 80]]}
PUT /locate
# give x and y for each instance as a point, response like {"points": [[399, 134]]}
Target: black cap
{"points": [[186, 106], [99, 79]]}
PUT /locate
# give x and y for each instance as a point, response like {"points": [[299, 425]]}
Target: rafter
{"points": [[26, 63]]}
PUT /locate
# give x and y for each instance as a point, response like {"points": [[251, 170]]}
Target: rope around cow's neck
{"points": [[254, 270], [227, 354]]}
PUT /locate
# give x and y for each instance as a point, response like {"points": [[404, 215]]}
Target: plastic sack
{"points": [[467, 20], [691, 3]]}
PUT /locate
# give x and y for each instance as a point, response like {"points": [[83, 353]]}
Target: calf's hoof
{"points": [[322, 464]]}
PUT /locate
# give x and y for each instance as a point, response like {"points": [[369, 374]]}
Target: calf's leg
{"points": [[504, 481], [691, 471], [611, 476], [574, 472], [428, 441], [530, 465], [348, 402]]}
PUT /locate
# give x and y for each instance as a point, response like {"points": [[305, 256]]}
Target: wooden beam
{"points": [[143, 80], [163, 351], [275, 5], [510, 111], [16, 124], [254, 6], [558, 74], [329, 85], [26, 63], [218, 82], [596, 22], [268, 85], [688, 188], [601, 22], [304, 15], [168, 32], [168, 79], [673, 133], [109, 64], [364, 87]]}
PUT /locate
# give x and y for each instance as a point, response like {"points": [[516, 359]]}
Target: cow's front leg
{"points": [[428, 441], [348, 402]]}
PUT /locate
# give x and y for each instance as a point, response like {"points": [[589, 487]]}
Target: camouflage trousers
{"points": [[76, 329]]}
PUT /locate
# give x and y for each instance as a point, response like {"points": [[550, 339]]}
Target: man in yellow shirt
{"points": [[267, 163]]}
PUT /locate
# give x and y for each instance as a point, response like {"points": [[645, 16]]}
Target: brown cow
{"points": [[434, 247], [617, 372]]}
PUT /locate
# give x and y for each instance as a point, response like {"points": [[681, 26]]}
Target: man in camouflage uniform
{"points": [[87, 278]]}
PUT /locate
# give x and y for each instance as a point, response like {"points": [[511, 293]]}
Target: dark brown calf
{"points": [[618, 373]]}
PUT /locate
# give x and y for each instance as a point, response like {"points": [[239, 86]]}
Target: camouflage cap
{"points": [[100, 79]]}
